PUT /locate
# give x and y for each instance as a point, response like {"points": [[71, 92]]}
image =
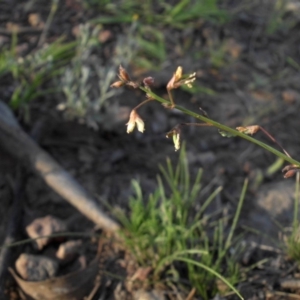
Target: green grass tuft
{"points": [[159, 12], [32, 73], [169, 234]]}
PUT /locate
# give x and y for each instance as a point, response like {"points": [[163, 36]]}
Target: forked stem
{"points": [[234, 132], [143, 103], [274, 140], [171, 99]]}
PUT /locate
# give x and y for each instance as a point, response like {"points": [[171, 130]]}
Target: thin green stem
{"points": [[225, 128], [196, 124], [212, 271], [237, 214], [53, 10]]}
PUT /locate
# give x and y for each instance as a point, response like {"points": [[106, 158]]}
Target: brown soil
{"points": [[255, 84]]}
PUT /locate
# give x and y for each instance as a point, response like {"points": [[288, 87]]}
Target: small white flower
{"points": [[179, 79], [175, 134], [135, 119], [176, 141], [189, 80]]}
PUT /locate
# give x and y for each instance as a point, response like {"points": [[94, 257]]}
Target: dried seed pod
{"points": [[290, 173], [290, 167], [249, 130], [290, 170], [117, 84], [123, 75]]}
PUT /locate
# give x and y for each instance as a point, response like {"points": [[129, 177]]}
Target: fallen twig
{"points": [[11, 232], [282, 295], [191, 294], [20, 31], [290, 283], [15, 141]]}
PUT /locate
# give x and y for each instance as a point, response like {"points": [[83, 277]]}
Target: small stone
{"points": [[290, 96], [104, 36], [35, 20], [274, 201], [45, 227], [69, 250], [36, 267], [145, 295]]}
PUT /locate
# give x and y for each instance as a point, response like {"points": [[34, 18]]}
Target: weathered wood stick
{"points": [[17, 143]]}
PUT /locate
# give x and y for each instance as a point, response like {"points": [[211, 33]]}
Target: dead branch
{"points": [[16, 142], [12, 231], [20, 31], [290, 283]]}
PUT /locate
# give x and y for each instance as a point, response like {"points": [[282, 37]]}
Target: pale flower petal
{"points": [[176, 141], [117, 84], [178, 74], [189, 80], [130, 127], [135, 119], [140, 124], [178, 79], [175, 134], [123, 75]]}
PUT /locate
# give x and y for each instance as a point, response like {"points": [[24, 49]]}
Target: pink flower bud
{"points": [[148, 81]]}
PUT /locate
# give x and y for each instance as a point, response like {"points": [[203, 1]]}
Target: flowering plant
{"points": [[179, 79]]}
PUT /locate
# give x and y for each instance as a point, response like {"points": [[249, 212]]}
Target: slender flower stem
{"points": [[142, 103], [274, 140], [171, 98], [225, 128]]}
